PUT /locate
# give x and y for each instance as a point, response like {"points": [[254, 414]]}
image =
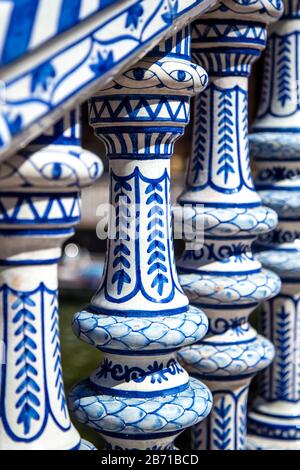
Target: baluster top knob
{"points": [[264, 11]]}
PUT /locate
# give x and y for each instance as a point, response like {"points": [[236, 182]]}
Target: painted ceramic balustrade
{"points": [[39, 204], [274, 422], [222, 276], [140, 397]]}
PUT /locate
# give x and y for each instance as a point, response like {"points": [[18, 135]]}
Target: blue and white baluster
{"points": [[140, 397], [274, 421], [39, 205], [222, 277]]}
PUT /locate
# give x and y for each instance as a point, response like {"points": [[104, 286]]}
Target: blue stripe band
{"points": [[113, 392], [29, 262], [136, 313]]}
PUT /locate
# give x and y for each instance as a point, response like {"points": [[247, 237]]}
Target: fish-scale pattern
{"points": [[283, 262], [227, 289], [138, 333], [140, 415], [232, 221], [229, 360]]}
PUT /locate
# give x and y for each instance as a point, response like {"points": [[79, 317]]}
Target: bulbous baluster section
{"points": [[140, 397], [222, 277], [275, 143], [39, 205]]}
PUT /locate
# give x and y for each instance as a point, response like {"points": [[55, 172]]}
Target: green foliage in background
{"points": [[78, 359]]}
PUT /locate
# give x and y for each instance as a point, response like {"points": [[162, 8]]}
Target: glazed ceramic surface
{"points": [[39, 204], [222, 277], [275, 418], [140, 396], [52, 54]]}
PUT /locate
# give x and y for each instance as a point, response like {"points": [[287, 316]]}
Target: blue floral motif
{"points": [[102, 64], [158, 372], [236, 252], [14, 123], [172, 13], [136, 38], [42, 77], [134, 14]]}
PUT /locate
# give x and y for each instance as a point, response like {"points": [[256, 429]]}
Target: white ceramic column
{"points": [[39, 205], [274, 421], [140, 397], [222, 277]]}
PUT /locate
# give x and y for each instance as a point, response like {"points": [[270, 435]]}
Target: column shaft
{"points": [[275, 143], [140, 397], [222, 277], [39, 205]]}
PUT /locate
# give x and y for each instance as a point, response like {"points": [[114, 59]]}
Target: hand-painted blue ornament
{"points": [[274, 421], [222, 277], [140, 397], [39, 204]]}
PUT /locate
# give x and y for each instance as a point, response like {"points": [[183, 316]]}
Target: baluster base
{"points": [[274, 426], [125, 421]]}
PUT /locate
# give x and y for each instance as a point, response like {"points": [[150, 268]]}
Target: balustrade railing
{"points": [[174, 352]]}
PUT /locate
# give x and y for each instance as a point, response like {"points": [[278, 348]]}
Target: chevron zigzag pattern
{"points": [[35, 209], [140, 109], [234, 31]]}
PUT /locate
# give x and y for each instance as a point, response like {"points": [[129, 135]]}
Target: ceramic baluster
{"points": [[140, 397], [274, 422], [39, 205], [222, 277]]}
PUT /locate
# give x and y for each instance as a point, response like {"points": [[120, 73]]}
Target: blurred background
{"points": [[82, 264]]}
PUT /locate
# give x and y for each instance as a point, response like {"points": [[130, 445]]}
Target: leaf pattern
{"points": [[55, 342], [121, 251], [284, 70], [222, 425], [242, 416], [225, 135], [28, 403], [156, 238], [200, 137], [283, 357]]}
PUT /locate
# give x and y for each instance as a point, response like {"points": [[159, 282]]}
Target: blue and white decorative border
{"points": [[27, 24], [40, 89]]}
